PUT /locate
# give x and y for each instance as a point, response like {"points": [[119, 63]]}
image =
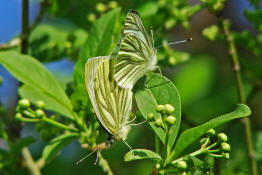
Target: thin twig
{"points": [[104, 164], [246, 121], [43, 6], [29, 161]]}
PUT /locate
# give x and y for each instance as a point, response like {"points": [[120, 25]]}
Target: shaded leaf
{"points": [[138, 154], [56, 145]]}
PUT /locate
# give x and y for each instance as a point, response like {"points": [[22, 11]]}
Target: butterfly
{"points": [[136, 55], [112, 104]]}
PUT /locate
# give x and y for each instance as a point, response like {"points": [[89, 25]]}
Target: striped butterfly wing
{"points": [[136, 55], [112, 104]]}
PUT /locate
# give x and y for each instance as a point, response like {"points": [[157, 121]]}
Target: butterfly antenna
{"points": [[152, 35], [136, 124], [127, 145], [81, 160], [177, 42]]}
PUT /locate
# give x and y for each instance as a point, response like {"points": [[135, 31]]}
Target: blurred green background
{"points": [[201, 70]]}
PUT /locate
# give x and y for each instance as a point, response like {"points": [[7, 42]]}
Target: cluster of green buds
{"points": [[101, 8], [26, 114], [166, 118], [219, 148]]}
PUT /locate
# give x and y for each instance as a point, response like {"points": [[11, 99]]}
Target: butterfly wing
{"points": [[112, 104], [136, 55]]}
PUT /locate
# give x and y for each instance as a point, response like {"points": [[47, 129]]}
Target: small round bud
{"points": [[211, 132], [159, 122], [113, 4], [158, 166], [172, 61], [181, 165], [91, 17], [100, 7], [222, 137], [225, 146], [170, 120], [226, 155], [169, 108], [160, 108], [39, 113], [40, 104], [24, 103], [150, 117], [18, 116]]}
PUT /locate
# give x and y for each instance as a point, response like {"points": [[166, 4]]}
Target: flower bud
{"points": [[91, 17], [225, 147], [211, 132], [226, 155], [24, 103], [100, 7], [40, 104], [150, 117], [113, 4], [169, 108], [159, 122], [160, 108], [172, 61], [39, 113], [170, 120], [18, 116], [158, 166], [181, 165], [222, 137]]}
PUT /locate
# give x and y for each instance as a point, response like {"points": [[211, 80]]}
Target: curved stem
{"points": [[104, 165], [246, 121]]}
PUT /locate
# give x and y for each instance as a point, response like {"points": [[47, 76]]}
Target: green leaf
{"points": [[138, 154], [160, 91], [51, 104], [98, 42], [23, 142], [148, 9], [192, 134], [32, 73], [56, 144]]}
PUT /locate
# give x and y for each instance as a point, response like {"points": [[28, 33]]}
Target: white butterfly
{"points": [[112, 104], [136, 54]]}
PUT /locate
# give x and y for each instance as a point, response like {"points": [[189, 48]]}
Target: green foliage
{"points": [[56, 144], [193, 83], [98, 43], [190, 135], [40, 84]]}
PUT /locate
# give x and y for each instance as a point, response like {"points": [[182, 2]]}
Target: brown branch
{"points": [[225, 25]]}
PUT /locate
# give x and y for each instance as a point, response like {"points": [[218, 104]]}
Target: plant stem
{"points": [[25, 26], [104, 165], [166, 146], [29, 161], [157, 144], [246, 121], [58, 125]]}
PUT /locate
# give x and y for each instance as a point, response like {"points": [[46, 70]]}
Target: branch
{"points": [[225, 25], [29, 161]]}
